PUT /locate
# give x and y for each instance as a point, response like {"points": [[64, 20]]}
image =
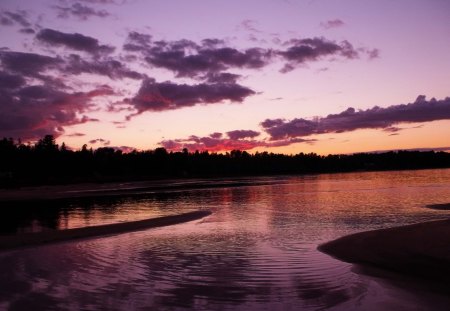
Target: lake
{"points": [[257, 251]]}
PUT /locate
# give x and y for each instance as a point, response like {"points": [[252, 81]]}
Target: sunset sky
{"points": [[283, 76]]}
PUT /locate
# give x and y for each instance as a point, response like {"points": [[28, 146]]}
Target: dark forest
{"points": [[46, 162]]}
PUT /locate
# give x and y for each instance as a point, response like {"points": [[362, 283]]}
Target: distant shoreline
{"points": [[47, 163], [136, 188], [31, 239], [38, 194], [421, 250]]}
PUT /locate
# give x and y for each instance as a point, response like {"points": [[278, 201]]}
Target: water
{"points": [[257, 251]]}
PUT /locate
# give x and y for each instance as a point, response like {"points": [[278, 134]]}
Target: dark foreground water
{"points": [[256, 252]]}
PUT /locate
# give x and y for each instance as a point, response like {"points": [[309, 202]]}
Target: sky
{"points": [[284, 76]]}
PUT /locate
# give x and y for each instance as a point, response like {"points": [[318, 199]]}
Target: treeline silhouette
{"points": [[48, 163]]}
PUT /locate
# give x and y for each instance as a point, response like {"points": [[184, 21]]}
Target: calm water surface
{"points": [[257, 251]]}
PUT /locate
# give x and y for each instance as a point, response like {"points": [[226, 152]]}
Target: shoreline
{"points": [[44, 193], [135, 188], [420, 250], [31, 239]]}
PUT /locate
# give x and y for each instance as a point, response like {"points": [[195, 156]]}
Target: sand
{"points": [[29, 239], [421, 250]]}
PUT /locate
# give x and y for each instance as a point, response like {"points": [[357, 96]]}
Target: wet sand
{"points": [[421, 250], [29, 239]]}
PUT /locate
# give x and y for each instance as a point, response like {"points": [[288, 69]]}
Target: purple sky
{"points": [[284, 76]]}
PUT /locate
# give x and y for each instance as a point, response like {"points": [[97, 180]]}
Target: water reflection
{"points": [[256, 252]]}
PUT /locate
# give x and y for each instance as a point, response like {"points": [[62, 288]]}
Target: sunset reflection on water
{"points": [[257, 251]]}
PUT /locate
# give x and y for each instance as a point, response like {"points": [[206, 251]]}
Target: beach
{"points": [[420, 250]]}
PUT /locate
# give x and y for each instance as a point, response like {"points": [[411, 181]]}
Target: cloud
{"points": [[221, 77], [79, 11], [249, 25], [28, 64], [44, 67], [349, 120], [137, 42], [73, 41], [109, 67], [10, 81], [75, 134], [28, 31], [211, 59], [20, 17], [32, 111], [209, 143], [239, 134], [34, 103], [236, 140], [102, 141], [300, 51], [117, 2], [333, 23], [186, 59], [216, 135], [372, 53], [154, 96]]}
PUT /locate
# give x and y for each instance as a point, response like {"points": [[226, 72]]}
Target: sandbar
{"points": [[440, 207], [29, 239], [421, 250]]}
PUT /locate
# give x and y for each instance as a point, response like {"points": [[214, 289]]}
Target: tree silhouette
{"points": [[46, 163]]}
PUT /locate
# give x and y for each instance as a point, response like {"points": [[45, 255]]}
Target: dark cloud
{"points": [[209, 144], [102, 141], [36, 66], [349, 120], [189, 59], [20, 17], [32, 111], [28, 64], [176, 57], [74, 41], [75, 134], [333, 23], [289, 141], [137, 42], [105, 1], [221, 77], [154, 96], [28, 31], [392, 129], [216, 142], [10, 81], [33, 100], [79, 11], [212, 43], [212, 58], [239, 134], [300, 51], [216, 135], [106, 67]]}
